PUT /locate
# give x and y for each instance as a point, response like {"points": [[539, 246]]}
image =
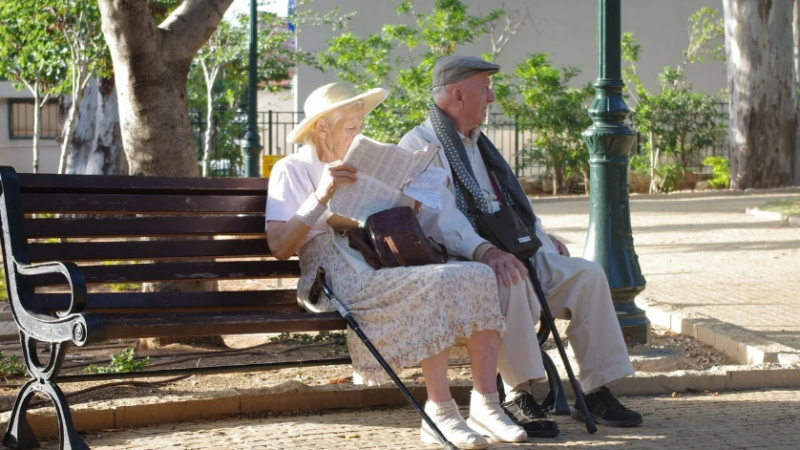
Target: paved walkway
{"points": [[732, 420], [705, 257]]}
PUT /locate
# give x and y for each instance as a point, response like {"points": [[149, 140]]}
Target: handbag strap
{"points": [[493, 179]]}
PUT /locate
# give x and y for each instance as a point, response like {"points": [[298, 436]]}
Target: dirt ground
{"points": [[667, 352]]}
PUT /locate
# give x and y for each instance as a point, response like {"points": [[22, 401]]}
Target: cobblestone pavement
{"points": [[704, 255], [731, 420]]}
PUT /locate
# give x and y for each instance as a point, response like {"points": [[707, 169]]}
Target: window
{"points": [[20, 119]]}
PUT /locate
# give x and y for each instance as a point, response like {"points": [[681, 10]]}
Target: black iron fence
{"points": [[505, 132]]}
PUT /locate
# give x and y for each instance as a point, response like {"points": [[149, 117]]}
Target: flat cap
{"points": [[450, 69]]}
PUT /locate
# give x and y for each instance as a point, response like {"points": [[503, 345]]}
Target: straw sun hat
{"points": [[329, 97]]}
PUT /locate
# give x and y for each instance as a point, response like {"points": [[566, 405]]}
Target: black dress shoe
{"points": [[525, 412], [606, 410]]}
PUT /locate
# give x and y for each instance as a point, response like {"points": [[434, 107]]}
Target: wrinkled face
{"points": [[341, 127], [476, 94]]}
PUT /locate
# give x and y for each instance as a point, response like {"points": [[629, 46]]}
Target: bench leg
{"points": [[19, 434]]}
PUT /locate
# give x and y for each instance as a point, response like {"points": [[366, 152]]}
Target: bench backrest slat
{"points": [[142, 204], [214, 270], [284, 300], [111, 184], [148, 250], [145, 226]]}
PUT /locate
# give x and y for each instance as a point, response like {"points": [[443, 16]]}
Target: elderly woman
{"points": [[411, 314]]}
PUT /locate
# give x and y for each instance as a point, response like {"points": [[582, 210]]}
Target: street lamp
{"points": [[610, 239], [252, 147]]}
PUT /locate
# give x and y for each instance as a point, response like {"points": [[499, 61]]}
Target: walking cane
{"points": [[537, 287], [320, 283]]}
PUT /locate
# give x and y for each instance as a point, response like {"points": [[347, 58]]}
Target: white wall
{"points": [[566, 29], [18, 153]]}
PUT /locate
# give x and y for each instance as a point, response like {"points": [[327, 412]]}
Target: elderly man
{"points": [[575, 288]]}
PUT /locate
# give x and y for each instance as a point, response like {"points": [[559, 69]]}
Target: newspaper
{"points": [[384, 170]]}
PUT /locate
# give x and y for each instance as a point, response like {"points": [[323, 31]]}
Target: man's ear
{"points": [[457, 97]]}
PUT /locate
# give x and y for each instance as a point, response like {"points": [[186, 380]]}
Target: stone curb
{"points": [[744, 346], [771, 215], [294, 396]]}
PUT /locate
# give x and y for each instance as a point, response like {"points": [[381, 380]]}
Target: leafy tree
{"points": [[32, 54], [78, 23], [539, 98], [223, 64], [401, 57], [677, 121], [225, 47]]}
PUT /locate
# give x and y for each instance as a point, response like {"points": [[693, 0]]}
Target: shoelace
{"points": [[531, 408]]}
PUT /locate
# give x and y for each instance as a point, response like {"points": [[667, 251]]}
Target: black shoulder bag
{"points": [[504, 228]]}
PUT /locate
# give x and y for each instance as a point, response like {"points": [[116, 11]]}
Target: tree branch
{"points": [[128, 26], [191, 24]]}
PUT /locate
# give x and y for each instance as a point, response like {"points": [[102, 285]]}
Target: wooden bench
{"points": [[64, 230], [83, 222]]}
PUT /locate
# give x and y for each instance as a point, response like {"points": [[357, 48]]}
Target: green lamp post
{"points": [[252, 145], [610, 239]]}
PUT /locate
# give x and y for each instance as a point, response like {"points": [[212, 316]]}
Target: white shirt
{"points": [[449, 226], [293, 179]]}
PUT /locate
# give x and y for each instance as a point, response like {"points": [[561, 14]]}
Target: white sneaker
{"points": [[449, 421], [488, 418]]}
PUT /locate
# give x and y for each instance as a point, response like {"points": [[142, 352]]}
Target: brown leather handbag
{"points": [[393, 238]]}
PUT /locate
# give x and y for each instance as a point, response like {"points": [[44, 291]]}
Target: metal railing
{"points": [[274, 126]]}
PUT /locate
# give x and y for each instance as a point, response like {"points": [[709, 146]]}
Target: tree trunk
{"points": [[762, 94], [151, 67], [68, 130], [97, 141], [796, 33], [654, 154], [37, 127], [209, 131]]}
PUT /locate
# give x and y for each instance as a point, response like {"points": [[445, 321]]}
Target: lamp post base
{"points": [[632, 319]]}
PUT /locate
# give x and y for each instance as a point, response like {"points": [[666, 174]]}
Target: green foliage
{"points": [[539, 97], [639, 164], [10, 366], [3, 287], [218, 80], [721, 169], [124, 361], [400, 58], [677, 122], [668, 175]]}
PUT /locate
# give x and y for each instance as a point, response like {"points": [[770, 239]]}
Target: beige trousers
{"points": [[577, 290]]}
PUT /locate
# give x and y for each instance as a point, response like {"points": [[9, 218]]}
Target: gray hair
{"points": [[330, 119], [439, 92]]}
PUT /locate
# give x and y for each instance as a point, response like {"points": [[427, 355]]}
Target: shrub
{"points": [[124, 361], [721, 169]]}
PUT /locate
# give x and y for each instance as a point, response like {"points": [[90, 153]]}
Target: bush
{"points": [[669, 174], [124, 361], [10, 366], [721, 169]]}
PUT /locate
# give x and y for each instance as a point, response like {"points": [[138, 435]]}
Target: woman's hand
{"points": [[334, 175]]}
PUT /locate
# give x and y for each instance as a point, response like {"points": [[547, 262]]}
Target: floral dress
{"points": [[408, 313]]}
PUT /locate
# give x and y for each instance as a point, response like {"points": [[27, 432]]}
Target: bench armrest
{"points": [[70, 271], [69, 325]]}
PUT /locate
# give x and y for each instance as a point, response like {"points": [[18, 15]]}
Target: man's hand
{"points": [[562, 249], [505, 265]]}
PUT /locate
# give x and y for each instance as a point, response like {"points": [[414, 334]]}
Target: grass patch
{"points": [[790, 207]]}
